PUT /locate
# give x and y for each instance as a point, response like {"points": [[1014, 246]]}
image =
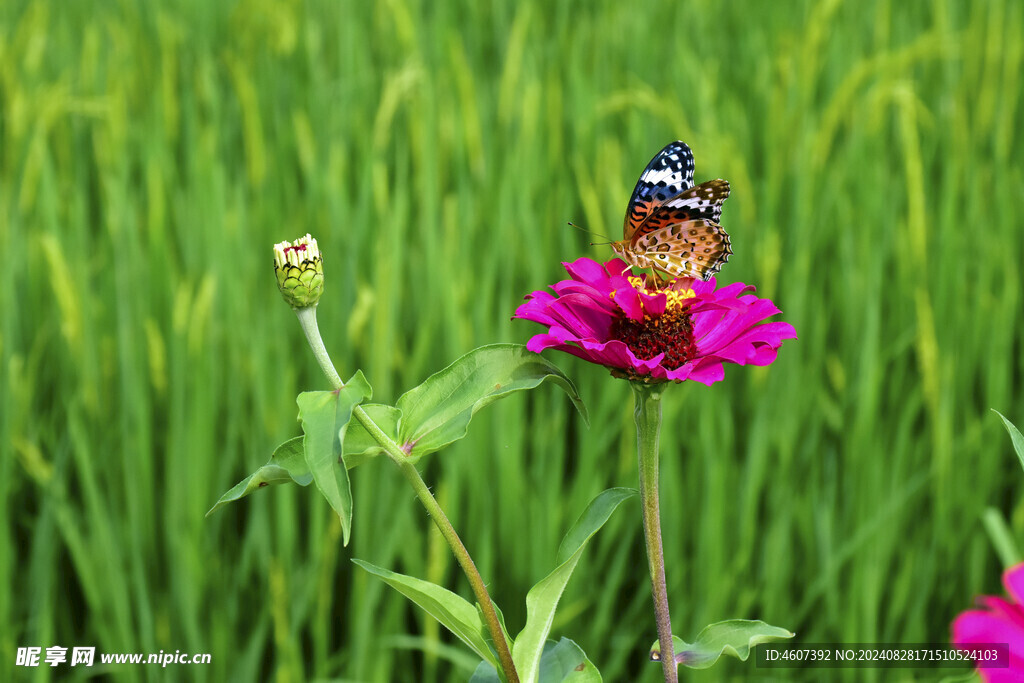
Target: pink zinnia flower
{"points": [[649, 331], [998, 621]]}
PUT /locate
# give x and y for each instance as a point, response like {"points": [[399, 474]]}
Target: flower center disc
{"points": [[671, 333]]}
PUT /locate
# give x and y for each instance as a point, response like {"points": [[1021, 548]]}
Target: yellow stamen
{"points": [[674, 297]]}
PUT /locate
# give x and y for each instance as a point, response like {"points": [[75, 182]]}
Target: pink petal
{"points": [[707, 371], [714, 335], [580, 315], [586, 270], [629, 302], [979, 627], [617, 268], [998, 621], [654, 304], [763, 354]]}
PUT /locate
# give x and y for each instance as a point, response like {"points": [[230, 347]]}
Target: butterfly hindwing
{"points": [[690, 248], [669, 173], [703, 202]]}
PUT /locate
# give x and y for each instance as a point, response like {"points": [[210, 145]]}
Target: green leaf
{"points": [[1015, 436], [455, 614], [562, 662], [359, 446], [733, 637], [325, 416], [287, 464], [438, 412], [543, 598]]}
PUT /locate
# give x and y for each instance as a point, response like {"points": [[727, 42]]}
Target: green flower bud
{"points": [[300, 271]]}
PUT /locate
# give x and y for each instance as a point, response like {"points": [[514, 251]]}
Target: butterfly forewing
{"points": [[669, 173]]}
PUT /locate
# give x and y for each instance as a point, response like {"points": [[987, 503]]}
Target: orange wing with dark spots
{"points": [[691, 248]]}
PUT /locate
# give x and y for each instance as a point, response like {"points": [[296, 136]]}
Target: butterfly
{"points": [[672, 226]]}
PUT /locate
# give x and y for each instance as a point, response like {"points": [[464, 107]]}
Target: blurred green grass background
{"points": [[153, 152]]}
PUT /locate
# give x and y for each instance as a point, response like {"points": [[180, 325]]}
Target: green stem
{"points": [[647, 414], [307, 318]]}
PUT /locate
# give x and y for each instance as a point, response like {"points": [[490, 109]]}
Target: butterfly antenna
{"points": [[591, 233]]}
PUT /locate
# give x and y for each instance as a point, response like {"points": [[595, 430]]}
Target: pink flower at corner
{"points": [[997, 621], [650, 331]]}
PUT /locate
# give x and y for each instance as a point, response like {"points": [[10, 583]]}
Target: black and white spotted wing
{"points": [[669, 173]]}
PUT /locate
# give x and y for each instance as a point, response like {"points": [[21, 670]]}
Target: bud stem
{"points": [[307, 318]]}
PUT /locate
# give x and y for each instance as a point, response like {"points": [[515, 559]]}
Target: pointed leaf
{"points": [[438, 412], [733, 637], [562, 662], [287, 464], [455, 613], [543, 598], [1015, 436], [325, 416]]}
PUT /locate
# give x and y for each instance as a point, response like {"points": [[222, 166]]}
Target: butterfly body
{"points": [[671, 226]]}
